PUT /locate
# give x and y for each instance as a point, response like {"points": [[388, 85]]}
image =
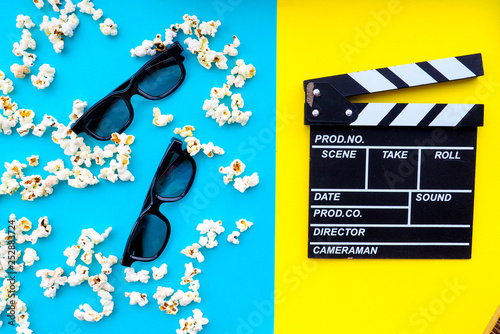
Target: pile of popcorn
{"points": [[17, 234], [52, 280], [55, 28], [236, 168], [194, 145], [206, 57], [219, 111], [81, 156], [199, 46], [209, 230]]}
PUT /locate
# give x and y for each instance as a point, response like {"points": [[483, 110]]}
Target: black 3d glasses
{"points": [[158, 78], [171, 182]]}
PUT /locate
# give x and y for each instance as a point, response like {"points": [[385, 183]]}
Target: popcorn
{"points": [[132, 276], [78, 108], [86, 6], [159, 273], [194, 45], [230, 49], [44, 77], [209, 28], [193, 252], [55, 28], [233, 237], [146, 48], [38, 3], [43, 230], [27, 42], [159, 119], [80, 275], [55, 4], [186, 131], [35, 186], [237, 116], [69, 8], [33, 160], [246, 182], [85, 312], [72, 253], [193, 145], [98, 14], [189, 273], [109, 27], [162, 293], [137, 298], [51, 280], [100, 282], [192, 324], [158, 43], [246, 71], [24, 21], [194, 285], [170, 34], [190, 21], [19, 71], [209, 149], [106, 302], [94, 236], [6, 85], [106, 262], [170, 307], [47, 121], [15, 168], [82, 178], [236, 168], [25, 118], [243, 225], [185, 298], [56, 167], [30, 257], [122, 139], [219, 93]]}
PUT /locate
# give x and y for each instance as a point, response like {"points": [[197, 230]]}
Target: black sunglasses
{"points": [[171, 182], [158, 78]]}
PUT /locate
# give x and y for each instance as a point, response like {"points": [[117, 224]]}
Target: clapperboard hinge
{"points": [[327, 98]]}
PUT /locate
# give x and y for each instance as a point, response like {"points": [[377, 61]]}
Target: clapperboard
{"points": [[391, 180]]}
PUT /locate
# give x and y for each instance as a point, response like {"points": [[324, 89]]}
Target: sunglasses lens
{"points": [[175, 179], [160, 78], [114, 114], [148, 237]]}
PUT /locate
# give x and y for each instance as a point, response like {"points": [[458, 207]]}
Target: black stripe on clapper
{"points": [[473, 62], [429, 69], [475, 117], [436, 110], [346, 85], [392, 114], [393, 78]]}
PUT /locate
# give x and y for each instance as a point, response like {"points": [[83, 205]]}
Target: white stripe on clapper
{"points": [[412, 74], [452, 68], [451, 115], [372, 81], [412, 114], [373, 113]]}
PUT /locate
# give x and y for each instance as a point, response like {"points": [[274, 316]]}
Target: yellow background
{"points": [[320, 38]]}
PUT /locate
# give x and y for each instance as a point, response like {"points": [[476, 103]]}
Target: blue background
{"points": [[237, 281]]}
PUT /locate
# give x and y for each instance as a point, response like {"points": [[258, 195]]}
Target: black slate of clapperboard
{"points": [[391, 180]]}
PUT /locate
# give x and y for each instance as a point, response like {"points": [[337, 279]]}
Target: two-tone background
{"points": [[287, 42]]}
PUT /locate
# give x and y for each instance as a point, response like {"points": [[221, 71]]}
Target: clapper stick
{"points": [[327, 98], [494, 324]]}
